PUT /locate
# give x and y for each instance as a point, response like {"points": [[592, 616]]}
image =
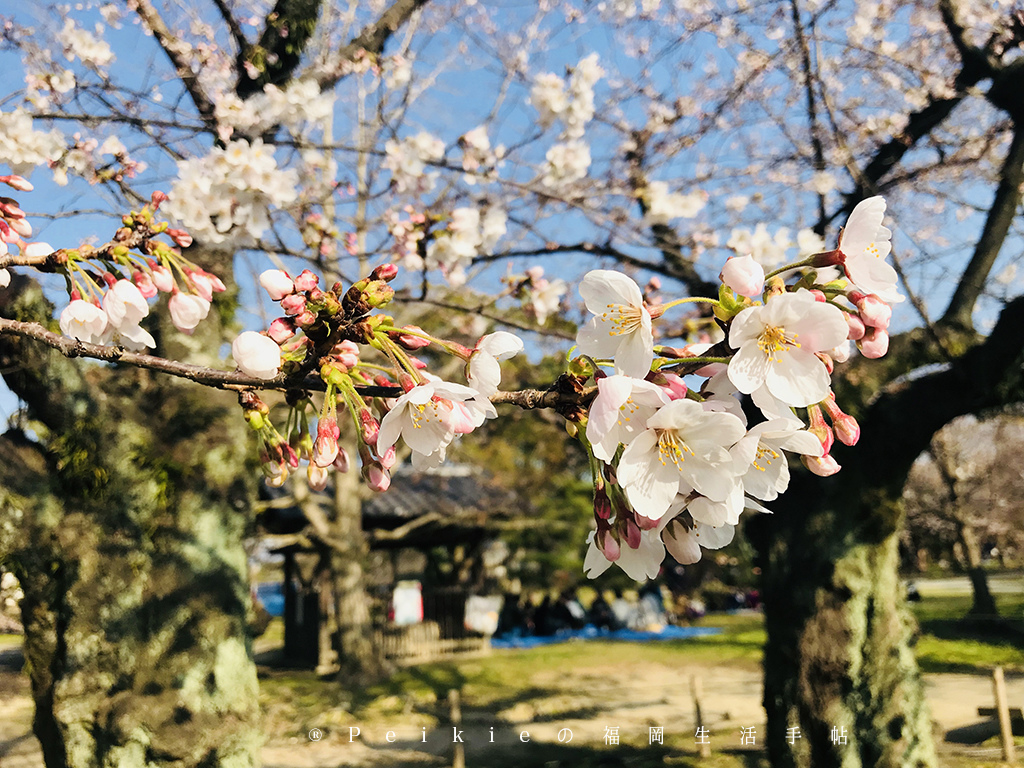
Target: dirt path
{"points": [[586, 704]]}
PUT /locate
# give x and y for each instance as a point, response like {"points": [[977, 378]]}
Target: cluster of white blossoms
{"points": [[478, 159], [224, 197], [571, 102], [467, 235], [407, 160], [663, 206], [676, 464], [300, 103], [22, 147], [540, 296], [91, 49], [770, 250]]}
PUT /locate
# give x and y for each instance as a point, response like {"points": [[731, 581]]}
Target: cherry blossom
{"points": [[684, 448], [685, 543], [482, 370], [761, 453], [187, 311], [640, 564], [621, 326], [620, 412], [743, 275], [125, 305], [865, 244], [777, 343], [256, 355], [277, 283], [426, 416], [84, 321]]}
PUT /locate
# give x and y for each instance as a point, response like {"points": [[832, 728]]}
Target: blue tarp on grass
{"points": [[591, 632]]}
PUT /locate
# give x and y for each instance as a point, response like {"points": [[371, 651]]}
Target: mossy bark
{"points": [[132, 513]]}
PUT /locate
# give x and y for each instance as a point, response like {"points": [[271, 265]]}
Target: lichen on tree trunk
{"points": [[838, 664], [131, 505]]}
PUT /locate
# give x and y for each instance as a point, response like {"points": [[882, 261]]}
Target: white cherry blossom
{"points": [[620, 412], [776, 345], [187, 311], [428, 415], [125, 305], [84, 321], [684, 448], [865, 244], [639, 564], [482, 370], [685, 544], [256, 355], [621, 327], [761, 453]]}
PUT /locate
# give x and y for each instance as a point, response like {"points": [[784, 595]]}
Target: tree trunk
{"points": [[838, 664], [984, 604], [132, 507], [360, 660]]}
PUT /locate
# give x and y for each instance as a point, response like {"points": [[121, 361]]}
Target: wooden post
{"points": [[697, 689], [1003, 711], [459, 749]]}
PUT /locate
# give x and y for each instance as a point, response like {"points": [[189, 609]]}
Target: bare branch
{"points": [[371, 39], [993, 235], [236, 31], [177, 52]]}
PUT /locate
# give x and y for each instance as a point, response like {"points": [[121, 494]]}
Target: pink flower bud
{"points": [[276, 473], [370, 426], [10, 210], [632, 533], [180, 237], [17, 182], [292, 304], [342, 461], [819, 296], [827, 360], [37, 250], [378, 478], [819, 428], [673, 386], [874, 344], [202, 283], [856, 327], [386, 272], [277, 284], [317, 477], [306, 281], [305, 319], [875, 312], [743, 275], [407, 341], [602, 504], [162, 278], [281, 330], [608, 545], [388, 459], [21, 226], [822, 466], [157, 198], [144, 283], [347, 353]]}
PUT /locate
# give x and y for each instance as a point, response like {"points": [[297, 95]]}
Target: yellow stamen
{"points": [[766, 455], [624, 317], [673, 449], [774, 340]]}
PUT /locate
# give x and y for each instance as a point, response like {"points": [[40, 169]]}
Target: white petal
{"points": [[799, 379], [501, 345], [602, 287], [635, 353], [597, 340], [748, 367], [711, 537], [681, 544]]}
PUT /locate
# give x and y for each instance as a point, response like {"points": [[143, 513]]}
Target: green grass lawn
{"points": [[952, 641]]}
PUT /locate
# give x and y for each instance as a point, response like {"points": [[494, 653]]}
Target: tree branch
{"points": [[371, 39], [288, 28], [177, 52], [997, 226]]}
